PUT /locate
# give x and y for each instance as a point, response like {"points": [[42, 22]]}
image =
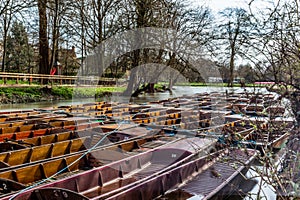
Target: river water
{"points": [[176, 92]]}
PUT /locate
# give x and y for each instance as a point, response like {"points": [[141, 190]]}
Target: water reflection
{"points": [[177, 91], [43, 104]]}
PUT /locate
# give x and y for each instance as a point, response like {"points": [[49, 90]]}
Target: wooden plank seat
{"points": [[30, 134], [27, 121], [45, 139], [33, 154]]}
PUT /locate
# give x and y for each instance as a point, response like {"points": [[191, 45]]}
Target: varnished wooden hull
{"points": [[142, 165]]}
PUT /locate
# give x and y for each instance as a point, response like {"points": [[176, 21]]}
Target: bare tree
{"points": [[232, 34], [275, 55], [275, 50]]}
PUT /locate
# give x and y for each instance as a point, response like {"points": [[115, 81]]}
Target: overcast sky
{"points": [[219, 5]]}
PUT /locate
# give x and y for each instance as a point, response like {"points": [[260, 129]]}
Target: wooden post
{"points": [[3, 78]]}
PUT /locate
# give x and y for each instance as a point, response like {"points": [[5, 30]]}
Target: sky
{"points": [[219, 5]]}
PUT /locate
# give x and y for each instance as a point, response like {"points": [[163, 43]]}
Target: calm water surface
{"points": [[177, 91]]}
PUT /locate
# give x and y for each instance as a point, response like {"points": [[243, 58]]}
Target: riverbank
{"points": [[36, 93], [13, 95]]}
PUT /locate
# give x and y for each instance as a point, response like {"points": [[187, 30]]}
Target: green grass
{"points": [[11, 82], [24, 92], [38, 93], [98, 91], [65, 92]]}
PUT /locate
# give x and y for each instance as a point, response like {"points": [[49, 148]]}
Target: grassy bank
{"points": [[39, 93], [213, 84]]}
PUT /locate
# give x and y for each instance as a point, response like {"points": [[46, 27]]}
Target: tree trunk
{"points": [[6, 24], [133, 72], [55, 35], [231, 66], [4, 46], [44, 67]]}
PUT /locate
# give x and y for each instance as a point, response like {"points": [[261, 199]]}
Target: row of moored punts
{"points": [[191, 146]]}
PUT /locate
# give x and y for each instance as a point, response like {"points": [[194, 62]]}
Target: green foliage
{"points": [[65, 92], [20, 90], [96, 92], [38, 93], [19, 53], [20, 94]]}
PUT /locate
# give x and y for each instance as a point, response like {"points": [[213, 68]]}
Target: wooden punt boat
{"points": [[58, 135], [165, 116], [254, 109], [54, 120], [227, 133], [13, 159], [58, 125], [107, 108], [9, 145], [15, 111], [16, 134], [87, 138], [95, 105], [23, 128], [14, 180], [19, 113], [210, 177], [104, 181], [263, 122], [184, 118], [191, 124], [35, 116], [262, 140], [30, 120], [30, 134]]}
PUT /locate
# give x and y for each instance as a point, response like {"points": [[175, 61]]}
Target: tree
{"points": [[276, 50], [275, 53], [19, 51], [44, 67], [9, 9], [233, 34], [176, 16], [246, 72]]}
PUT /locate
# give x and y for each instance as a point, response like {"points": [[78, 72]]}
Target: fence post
{"points": [[5, 80]]}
